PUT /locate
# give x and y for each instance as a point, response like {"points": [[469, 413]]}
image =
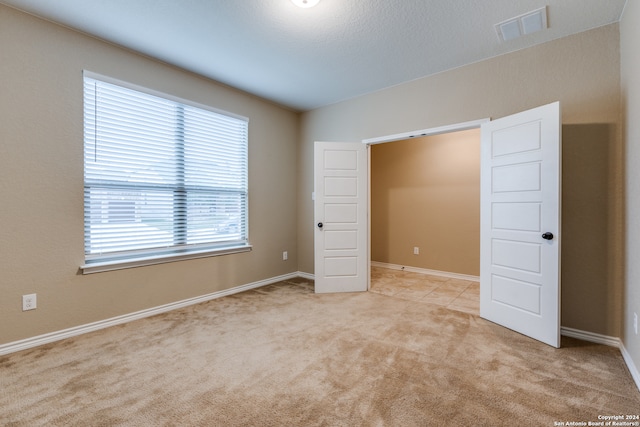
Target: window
{"points": [[164, 179]]}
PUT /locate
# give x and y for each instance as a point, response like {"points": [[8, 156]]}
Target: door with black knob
{"points": [[340, 173], [520, 222]]}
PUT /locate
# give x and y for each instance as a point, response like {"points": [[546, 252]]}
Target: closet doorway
{"points": [[425, 219]]}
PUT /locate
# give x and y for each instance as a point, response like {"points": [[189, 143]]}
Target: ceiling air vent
{"points": [[519, 26]]}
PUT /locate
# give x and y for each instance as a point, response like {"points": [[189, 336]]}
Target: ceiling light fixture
{"points": [[305, 3]]}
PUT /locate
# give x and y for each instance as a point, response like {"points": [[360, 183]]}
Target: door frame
{"points": [[474, 124]]}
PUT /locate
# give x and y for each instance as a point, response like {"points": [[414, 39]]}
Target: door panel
{"points": [[516, 255], [340, 240], [344, 213], [340, 187], [516, 178], [520, 200], [340, 267], [516, 216], [516, 293], [518, 139]]}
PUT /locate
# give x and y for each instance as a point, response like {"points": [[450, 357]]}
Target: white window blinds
{"points": [[160, 176]]}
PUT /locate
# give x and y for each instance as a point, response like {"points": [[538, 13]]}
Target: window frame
{"points": [[108, 261]]}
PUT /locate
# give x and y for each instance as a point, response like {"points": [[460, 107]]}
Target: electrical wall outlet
{"points": [[416, 250], [635, 323], [285, 256], [29, 302]]}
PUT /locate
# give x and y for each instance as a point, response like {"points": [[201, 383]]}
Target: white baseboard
{"points": [[591, 337], [307, 276], [27, 343], [635, 374], [426, 271]]}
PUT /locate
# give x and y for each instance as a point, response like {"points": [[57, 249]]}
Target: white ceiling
{"points": [[307, 58]]}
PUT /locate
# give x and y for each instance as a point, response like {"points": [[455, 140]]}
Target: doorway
{"points": [[425, 219]]}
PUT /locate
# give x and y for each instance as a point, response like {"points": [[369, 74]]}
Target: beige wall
{"points": [[425, 192], [591, 239], [580, 71], [41, 183], [630, 71]]}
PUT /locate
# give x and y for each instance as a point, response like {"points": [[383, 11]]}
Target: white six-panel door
{"points": [[340, 212], [520, 222]]}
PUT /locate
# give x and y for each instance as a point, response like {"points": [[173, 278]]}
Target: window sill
{"points": [[99, 267]]}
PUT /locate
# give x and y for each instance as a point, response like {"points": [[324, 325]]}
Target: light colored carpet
{"points": [[456, 294], [283, 356]]}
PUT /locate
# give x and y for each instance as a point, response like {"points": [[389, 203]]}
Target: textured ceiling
{"points": [[307, 58]]}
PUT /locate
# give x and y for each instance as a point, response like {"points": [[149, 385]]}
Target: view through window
{"points": [[161, 176]]}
